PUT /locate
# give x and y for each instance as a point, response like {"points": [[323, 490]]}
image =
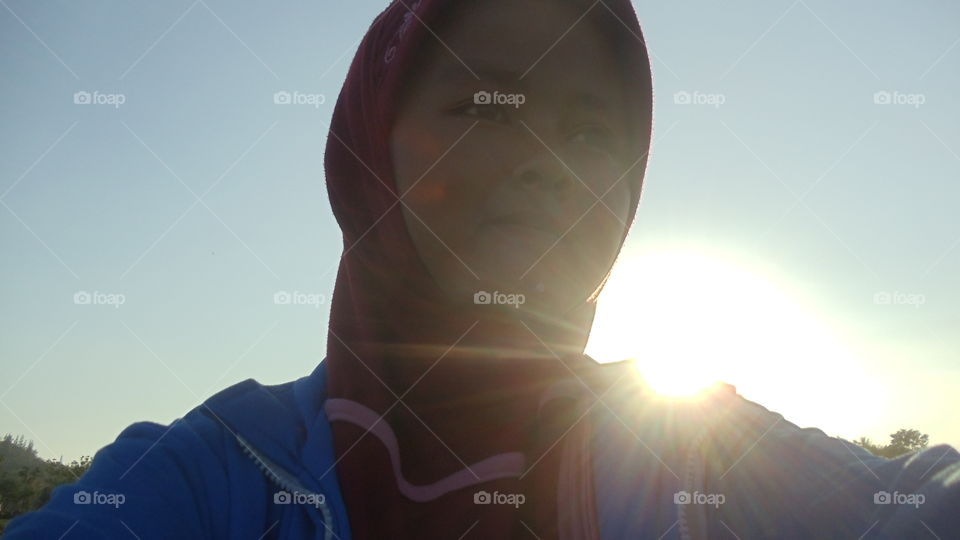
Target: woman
{"points": [[484, 162], [467, 286]]}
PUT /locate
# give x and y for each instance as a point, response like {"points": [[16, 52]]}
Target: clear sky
{"points": [[799, 233]]}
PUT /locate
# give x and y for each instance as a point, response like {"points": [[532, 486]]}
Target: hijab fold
{"points": [[432, 405]]}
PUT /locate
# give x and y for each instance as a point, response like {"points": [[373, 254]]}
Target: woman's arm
{"points": [[779, 480], [154, 481]]}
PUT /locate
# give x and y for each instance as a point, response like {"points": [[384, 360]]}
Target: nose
{"points": [[542, 173]]}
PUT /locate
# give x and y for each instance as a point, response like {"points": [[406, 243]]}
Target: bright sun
{"points": [[690, 319]]}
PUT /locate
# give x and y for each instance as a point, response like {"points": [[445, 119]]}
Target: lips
{"points": [[535, 221]]}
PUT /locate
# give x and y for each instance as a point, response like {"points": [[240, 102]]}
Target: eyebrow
{"points": [[591, 102], [455, 72]]}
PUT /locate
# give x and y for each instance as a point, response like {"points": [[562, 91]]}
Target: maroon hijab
{"points": [[472, 419]]}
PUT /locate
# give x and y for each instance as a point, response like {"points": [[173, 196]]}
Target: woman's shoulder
{"points": [[193, 468]]}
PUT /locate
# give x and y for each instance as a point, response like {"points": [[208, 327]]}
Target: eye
{"points": [[489, 112], [597, 136]]}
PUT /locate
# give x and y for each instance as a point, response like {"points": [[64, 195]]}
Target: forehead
{"points": [[525, 41]]}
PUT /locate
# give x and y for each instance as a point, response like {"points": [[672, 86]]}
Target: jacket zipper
{"points": [[282, 478], [691, 484]]}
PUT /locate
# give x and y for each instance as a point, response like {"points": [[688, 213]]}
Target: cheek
{"points": [[443, 207], [602, 229], [447, 201], [597, 172], [593, 242], [451, 181]]}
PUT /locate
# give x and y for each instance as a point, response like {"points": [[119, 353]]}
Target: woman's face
{"points": [[517, 189]]}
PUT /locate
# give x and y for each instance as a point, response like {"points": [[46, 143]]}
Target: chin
{"points": [[549, 284], [544, 293]]}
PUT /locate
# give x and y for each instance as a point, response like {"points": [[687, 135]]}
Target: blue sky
{"points": [[774, 154]]}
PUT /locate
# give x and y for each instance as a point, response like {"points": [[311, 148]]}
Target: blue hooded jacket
{"points": [[256, 461]]}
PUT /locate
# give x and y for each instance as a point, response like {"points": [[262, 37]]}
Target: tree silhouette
{"points": [[908, 440], [903, 441], [26, 480], [865, 442]]}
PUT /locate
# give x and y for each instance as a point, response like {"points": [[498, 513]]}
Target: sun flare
{"points": [[690, 320]]}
